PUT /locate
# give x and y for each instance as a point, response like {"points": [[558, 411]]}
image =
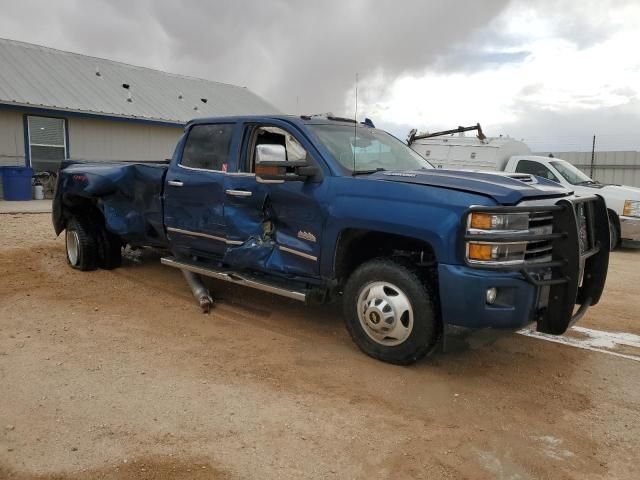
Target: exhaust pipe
{"points": [[199, 290]]}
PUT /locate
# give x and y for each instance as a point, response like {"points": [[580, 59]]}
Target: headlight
{"points": [[496, 252], [499, 222], [631, 208], [510, 237], [499, 225]]}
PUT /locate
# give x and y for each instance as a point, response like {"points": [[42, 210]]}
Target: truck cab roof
{"points": [[293, 119]]}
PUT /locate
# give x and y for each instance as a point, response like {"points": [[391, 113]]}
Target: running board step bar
{"points": [[233, 277]]}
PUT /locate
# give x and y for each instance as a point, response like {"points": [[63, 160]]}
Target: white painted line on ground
{"points": [[603, 339], [595, 341]]}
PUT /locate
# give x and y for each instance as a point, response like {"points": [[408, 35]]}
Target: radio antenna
{"points": [[355, 127]]}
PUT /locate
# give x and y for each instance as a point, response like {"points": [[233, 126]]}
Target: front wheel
{"points": [[389, 312]]}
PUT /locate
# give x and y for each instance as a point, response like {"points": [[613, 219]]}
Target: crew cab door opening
{"points": [[278, 224]]}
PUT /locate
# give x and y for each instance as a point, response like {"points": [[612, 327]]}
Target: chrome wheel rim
{"points": [[73, 245], [385, 313]]}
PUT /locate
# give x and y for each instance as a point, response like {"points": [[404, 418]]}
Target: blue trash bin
{"points": [[16, 183]]}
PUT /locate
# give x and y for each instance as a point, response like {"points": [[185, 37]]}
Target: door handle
{"points": [[238, 193], [175, 183]]}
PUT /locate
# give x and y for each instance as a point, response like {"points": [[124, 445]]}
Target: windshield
{"points": [[362, 149], [570, 173]]}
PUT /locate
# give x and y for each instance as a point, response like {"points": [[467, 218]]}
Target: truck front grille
{"points": [[540, 223], [545, 242]]}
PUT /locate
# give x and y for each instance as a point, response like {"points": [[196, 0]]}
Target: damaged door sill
{"points": [[233, 277]]}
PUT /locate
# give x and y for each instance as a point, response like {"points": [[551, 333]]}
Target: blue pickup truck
{"points": [[318, 208]]}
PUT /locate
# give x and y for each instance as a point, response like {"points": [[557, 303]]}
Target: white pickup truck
{"points": [[509, 155]]}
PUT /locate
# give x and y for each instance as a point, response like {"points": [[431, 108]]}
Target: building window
{"points": [[47, 142]]}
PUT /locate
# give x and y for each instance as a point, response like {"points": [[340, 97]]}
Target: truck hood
{"points": [[500, 187], [620, 192]]}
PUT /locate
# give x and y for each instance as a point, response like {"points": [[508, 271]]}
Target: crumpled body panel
{"points": [[129, 196], [264, 229], [263, 255]]}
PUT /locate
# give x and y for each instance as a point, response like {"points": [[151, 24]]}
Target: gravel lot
{"points": [[118, 375]]}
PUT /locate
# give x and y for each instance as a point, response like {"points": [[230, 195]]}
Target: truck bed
{"points": [[128, 194]]}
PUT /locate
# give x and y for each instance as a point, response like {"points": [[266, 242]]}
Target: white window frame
{"points": [[64, 137]]}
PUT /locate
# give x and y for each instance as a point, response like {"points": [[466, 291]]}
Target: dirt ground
{"points": [[117, 375]]}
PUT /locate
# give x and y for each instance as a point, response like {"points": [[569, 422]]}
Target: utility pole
{"points": [[593, 155]]}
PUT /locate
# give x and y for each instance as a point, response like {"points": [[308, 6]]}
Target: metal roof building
{"points": [[56, 105], [32, 75]]}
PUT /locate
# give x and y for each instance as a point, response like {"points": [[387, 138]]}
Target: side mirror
{"points": [[270, 153], [272, 166]]}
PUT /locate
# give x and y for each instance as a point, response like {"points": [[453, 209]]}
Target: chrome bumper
{"points": [[630, 228]]}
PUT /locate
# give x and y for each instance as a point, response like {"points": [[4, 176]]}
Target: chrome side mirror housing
{"points": [[269, 153], [272, 166]]}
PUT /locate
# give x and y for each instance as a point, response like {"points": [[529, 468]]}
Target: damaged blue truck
{"points": [[323, 209]]}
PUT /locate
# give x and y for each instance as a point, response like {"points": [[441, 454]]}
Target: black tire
{"points": [[81, 246], [425, 331], [614, 233]]}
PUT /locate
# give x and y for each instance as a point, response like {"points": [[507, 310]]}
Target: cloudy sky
{"points": [[552, 72]]}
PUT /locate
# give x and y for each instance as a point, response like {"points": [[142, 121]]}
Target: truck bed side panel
{"points": [[129, 196]]}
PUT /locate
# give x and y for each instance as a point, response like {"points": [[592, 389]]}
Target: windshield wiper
{"points": [[587, 182], [367, 172]]}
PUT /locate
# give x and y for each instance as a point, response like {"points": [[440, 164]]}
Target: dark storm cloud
{"points": [[312, 50], [583, 23], [302, 56], [283, 49]]}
